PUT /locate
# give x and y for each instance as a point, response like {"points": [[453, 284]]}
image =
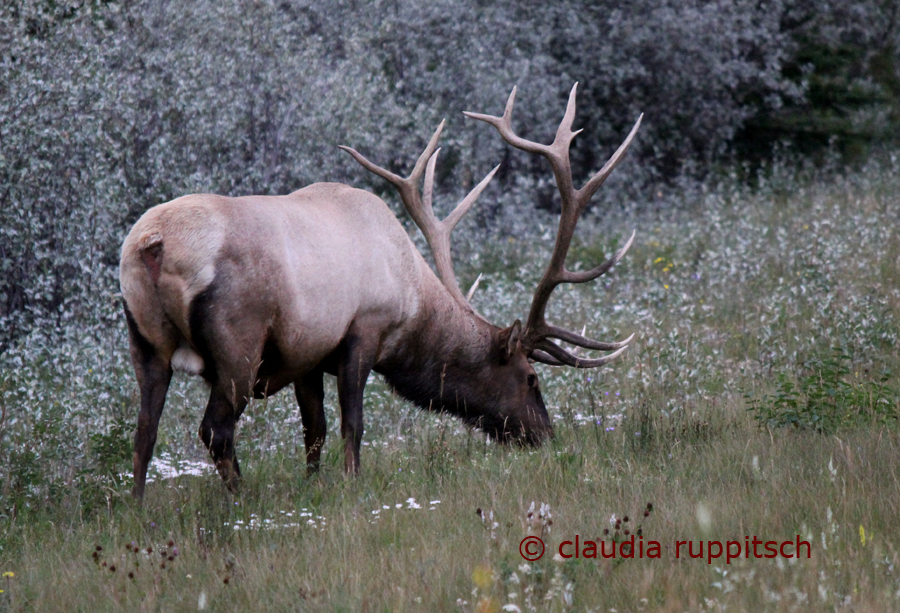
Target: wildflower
{"points": [[483, 576], [9, 575], [862, 535]]}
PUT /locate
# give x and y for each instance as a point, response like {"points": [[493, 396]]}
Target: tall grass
{"points": [[735, 293]]}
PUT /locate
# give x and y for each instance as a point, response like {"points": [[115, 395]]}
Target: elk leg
{"points": [[153, 375], [355, 362], [217, 433], [311, 398]]}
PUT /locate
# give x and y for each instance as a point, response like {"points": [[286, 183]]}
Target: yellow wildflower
{"points": [[483, 576]]}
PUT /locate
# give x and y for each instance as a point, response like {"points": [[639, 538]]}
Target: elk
{"points": [[255, 293]]}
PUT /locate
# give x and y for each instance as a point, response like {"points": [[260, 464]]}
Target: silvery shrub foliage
{"points": [[110, 107]]}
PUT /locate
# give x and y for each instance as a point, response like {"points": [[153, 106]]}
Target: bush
{"points": [[109, 108], [827, 396]]}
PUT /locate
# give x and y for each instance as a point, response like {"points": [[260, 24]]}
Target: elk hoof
{"points": [[229, 475]]}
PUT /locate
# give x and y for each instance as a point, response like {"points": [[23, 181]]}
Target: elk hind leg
{"points": [[311, 398], [154, 375]]}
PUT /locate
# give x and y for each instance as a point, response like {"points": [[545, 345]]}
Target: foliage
{"points": [[111, 107], [827, 397], [845, 59]]}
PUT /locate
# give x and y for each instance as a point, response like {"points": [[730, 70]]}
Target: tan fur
{"points": [[312, 263]]}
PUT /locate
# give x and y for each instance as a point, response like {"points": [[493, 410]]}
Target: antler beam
{"points": [[419, 206], [574, 201]]}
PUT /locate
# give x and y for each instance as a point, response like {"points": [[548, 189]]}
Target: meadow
{"points": [[759, 398]]}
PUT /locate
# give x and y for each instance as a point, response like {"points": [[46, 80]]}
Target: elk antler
{"points": [[419, 207], [538, 332]]}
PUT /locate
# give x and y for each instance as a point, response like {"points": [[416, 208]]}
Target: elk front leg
{"points": [[217, 432], [355, 363], [311, 398]]}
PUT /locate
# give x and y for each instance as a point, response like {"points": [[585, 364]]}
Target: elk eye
{"points": [[532, 381]]}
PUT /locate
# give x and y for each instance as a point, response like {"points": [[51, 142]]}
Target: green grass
{"points": [[759, 399], [745, 481]]}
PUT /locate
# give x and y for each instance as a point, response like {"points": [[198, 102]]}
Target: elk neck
{"points": [[442, 365]]}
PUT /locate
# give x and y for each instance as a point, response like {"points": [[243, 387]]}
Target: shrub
{"points": [[827, 396]]}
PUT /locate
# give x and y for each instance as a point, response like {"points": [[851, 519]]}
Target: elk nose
{"points": [[537, 436]]}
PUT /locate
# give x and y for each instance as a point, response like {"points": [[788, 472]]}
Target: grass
{"points": [[703, 484], [759, 399]]}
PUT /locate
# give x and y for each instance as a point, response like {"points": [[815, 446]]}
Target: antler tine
{"points": [[590, 275], [559, 356], [466, 203], [504, 127], [573, 204], [419, 207], [591, 187]]}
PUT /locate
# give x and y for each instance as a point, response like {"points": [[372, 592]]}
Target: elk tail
{"points": [[150, 247]]}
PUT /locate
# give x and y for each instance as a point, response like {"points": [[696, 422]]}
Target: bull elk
{"points": [[257, 292]]}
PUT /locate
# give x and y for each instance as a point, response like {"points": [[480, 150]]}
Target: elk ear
{"points": [[511, 339]]}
